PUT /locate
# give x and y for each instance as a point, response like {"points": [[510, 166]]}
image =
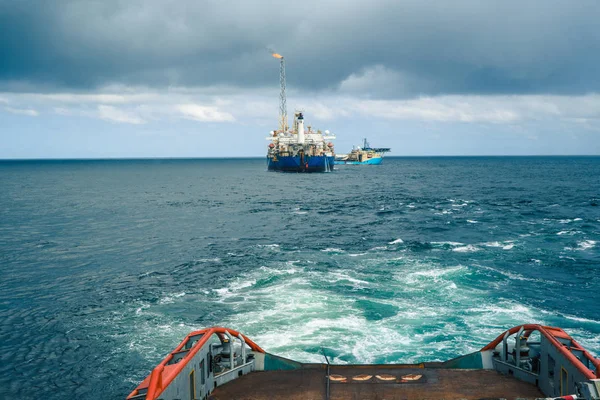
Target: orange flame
{"points": [[277, 55]]}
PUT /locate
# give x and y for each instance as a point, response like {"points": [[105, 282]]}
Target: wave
{"points": [[356, 254], [449, 243], [444, 212], [492, 244], [333, 250], [570, 220], [516, 276], [569, 233], [586, 244], [580, 319], [466, 249], [377, 248], [439, 272], [171, 298]]}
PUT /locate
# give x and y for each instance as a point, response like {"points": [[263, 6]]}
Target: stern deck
{"points": [[436, 383]]}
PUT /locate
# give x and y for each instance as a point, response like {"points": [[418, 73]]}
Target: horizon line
{"points": [[260, 157]]}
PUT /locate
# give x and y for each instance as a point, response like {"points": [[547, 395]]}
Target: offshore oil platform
{"points": [[297, 149]]}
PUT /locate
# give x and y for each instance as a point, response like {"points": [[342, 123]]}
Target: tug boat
{"points": [[526, 362]]}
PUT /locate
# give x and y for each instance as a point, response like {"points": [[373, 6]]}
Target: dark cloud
{"points": [[427, 47]]}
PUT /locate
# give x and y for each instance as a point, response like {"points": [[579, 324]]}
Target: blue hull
{"points": [[307, 164], [371, 161]]}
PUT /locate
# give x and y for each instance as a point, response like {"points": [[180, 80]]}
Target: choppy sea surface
{"points": [[106, 265]]}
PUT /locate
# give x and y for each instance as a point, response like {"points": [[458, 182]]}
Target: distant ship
{"points": [[297, 149], [528, 361], [365, 155], [300, 151]]}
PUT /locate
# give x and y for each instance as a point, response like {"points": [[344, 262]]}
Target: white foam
{"points": [[586, 244], [362, 341], [493, 244], [207, 260], [241, 284], [290, 268], [171, 299], [296, 314], [139, 310], [508, 246], [439, 272], [333, 250], [491, 311], [396, 241], [357, 254], [570, 233], [333, 277], [580, 319], [466, 249], [567, 221], [472, 221], [514, 276], [445, 212], [449, 243]]}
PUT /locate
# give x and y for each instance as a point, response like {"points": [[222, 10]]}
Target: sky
{"points": [[195, 78]]}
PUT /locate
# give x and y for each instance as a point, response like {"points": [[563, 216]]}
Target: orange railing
{"points": [[164, 374], [552, 333]]}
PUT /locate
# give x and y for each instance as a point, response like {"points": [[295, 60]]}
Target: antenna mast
{"points": [[283, 120]]}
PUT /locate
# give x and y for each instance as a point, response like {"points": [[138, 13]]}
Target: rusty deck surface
{"points": [[310, 384]]}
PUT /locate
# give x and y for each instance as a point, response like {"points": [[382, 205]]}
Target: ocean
{"points": [[105, 266]]}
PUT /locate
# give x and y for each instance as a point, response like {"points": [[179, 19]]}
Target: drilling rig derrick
{"points": [[283, 120]]}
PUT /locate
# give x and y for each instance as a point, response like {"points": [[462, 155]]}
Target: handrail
{"points": [[551, 333], [156, 381], [164, 374]]}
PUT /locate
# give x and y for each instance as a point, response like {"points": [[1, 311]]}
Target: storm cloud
{"points": [[375, 49]]}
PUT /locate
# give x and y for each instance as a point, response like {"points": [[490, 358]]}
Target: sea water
{"points": [[105, 266]]}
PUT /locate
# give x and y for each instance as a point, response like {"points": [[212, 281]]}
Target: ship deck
{"points": [[436, 383]]}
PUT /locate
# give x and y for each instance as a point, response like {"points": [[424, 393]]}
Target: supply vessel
{"points": [[297, 149], [365, 155], [525, 362]]}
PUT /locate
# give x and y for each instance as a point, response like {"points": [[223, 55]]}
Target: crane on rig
{"points": [[283, 119]]}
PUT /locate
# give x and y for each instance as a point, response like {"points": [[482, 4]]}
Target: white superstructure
{"points": [[312, 142]]}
